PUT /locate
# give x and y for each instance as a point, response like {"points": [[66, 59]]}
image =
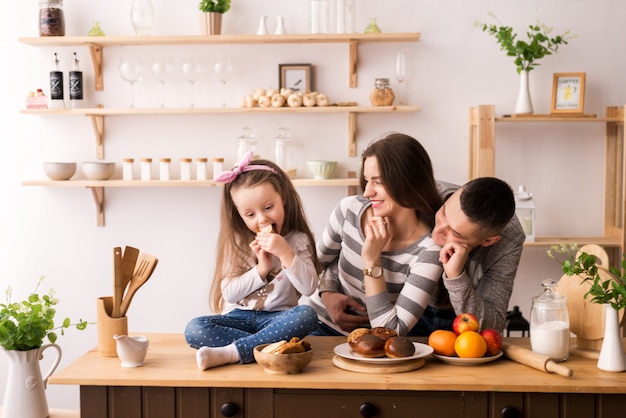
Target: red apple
{"points": [[494, 341], [465, 322]]}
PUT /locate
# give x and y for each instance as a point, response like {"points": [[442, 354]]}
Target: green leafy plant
{"points": [[603, 290], [24, 325], [526, 53], [215, 6]]}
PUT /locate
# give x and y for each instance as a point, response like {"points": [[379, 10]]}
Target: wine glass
{"points": [[162, 69], [192, 70], [400, 75], [224, 69], [131, 70]]}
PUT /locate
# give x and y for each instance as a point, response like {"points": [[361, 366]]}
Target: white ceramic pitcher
{"points": [[25, 395]]}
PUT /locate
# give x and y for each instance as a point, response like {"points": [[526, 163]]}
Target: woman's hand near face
{"points": [[377, 235]]}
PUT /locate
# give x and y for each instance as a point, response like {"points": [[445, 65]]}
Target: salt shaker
{"points": [[185, 169], [549, 323], [127, 168], [146, 169], [201, 168], [164, 169]]}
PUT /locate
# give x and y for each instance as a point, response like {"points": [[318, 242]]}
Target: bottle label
{"points": [[56, 85], [76, 85]]}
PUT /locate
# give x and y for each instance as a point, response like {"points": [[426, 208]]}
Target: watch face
{"points": [[377, 271]]}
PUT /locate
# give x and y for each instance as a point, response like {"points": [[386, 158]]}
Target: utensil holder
{"points": [[108, 327]]}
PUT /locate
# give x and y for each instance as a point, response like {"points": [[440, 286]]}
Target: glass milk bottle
{"points": [[549, 323]]}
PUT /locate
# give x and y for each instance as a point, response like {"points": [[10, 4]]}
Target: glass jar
{"points": [[284, 152], [218, 166], [246, 142], [319, 16], [201, 168], [142, 17], [164, 169], [549, 323], [127, 168], [185, 169], [382, 95], [51, 18], [146, 169], [345, 16]]}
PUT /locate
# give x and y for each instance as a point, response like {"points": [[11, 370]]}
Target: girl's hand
{"points": [[377, 236], [264, 259], [275, 244]]}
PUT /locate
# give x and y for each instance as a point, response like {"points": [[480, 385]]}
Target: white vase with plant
{"points": [[526, 53], [24, 327], [607, 287], [211, 12]]}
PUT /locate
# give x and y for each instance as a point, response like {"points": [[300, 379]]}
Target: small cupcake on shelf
{"points": [[36, 100]]}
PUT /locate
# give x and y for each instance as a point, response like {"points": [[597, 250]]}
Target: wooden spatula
{"points": [[118, 285], [145, 266], [129, 259]]}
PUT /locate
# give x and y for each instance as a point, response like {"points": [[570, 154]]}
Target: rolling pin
{"points": [[535, 360]]}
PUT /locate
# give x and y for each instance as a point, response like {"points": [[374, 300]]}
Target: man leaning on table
{"points": [[481, 242]]}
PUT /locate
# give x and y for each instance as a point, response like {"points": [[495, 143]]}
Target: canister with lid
{"points": [[549, 323], [382, 95], [146, 169], [51, 18], [185, 169], [201, 168], [164, 169], [127, 168], [218, 166]]}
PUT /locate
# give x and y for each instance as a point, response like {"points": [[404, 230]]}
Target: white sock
{"points": [[208, 357]]}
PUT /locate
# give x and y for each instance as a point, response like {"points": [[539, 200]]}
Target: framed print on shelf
{"points": [[568, 93], [296, 77]]}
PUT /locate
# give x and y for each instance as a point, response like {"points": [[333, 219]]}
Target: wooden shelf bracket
{"points": [[354, 46], [95, 51], [97, 121], [98, 197], [352, 134]]}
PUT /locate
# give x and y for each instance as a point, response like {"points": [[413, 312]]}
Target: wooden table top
{"points": [[171, 363]]}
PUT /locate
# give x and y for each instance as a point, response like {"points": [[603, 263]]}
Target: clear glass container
{"points": [[246, 142], [319, 16], [345, 16], [284, 152], [218, 166], [549, 323], [51, 18], [142, 17], [382, 95]]}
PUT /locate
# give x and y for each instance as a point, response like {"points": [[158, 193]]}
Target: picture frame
{"points": [[568, 93], [297, 77]]}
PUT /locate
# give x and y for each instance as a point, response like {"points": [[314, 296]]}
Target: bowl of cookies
{"points": [[284, 357]]}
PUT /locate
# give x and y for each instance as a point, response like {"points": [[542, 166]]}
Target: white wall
{"points": [[53, 232]]}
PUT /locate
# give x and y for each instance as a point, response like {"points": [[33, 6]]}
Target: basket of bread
{"points": [[284, 357]]}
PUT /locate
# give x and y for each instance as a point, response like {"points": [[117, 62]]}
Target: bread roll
{"points": [[369, 345], [398, 346], [383, 333]]}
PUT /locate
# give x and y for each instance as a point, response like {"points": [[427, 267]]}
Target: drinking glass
{"points": [[131, 70], [401, 75], [162, 69], [192, 70], [224, 69]]}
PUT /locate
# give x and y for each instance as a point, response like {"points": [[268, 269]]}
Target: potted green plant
{"points": [[211, 12], [24, 327], [526, 53], [607, 287]]}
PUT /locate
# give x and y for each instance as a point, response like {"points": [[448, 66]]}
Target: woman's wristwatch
{"points": [[375, 271]]}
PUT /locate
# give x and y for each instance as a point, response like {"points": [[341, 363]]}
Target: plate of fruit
{"points": [[466, 345], [381, 345]]}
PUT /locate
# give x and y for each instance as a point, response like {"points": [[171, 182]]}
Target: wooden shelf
{"points": [[98, 114], [482, 140], [97, 187], [97, 43]]}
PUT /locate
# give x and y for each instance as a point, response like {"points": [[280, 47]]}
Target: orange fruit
{"points": [[470, 344], [442, 341]]}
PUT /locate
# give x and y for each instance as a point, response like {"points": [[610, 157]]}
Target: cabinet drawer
{"points": [[349, 403]]}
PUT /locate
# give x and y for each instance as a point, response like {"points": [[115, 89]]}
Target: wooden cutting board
{"points": [[360, 367], [586, 319]]}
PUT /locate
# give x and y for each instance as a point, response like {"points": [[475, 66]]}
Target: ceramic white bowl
{"points": [[59, 171], [282, 363], [98, 170], [321, 169]]}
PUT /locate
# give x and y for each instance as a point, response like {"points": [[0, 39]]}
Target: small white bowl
{"points": [[59, 171], [321, 169], [98, 170]]}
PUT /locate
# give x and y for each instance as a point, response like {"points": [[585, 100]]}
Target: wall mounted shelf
{"points": [[98, 114], [96, 44]]}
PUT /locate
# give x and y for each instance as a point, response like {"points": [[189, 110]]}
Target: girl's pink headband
{"points": [[244, 165]]}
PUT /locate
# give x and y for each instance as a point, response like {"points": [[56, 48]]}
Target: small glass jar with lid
{"points": [[382, 95], [146, 169], [164, 169], [246, 142], [201, 168], [127, 168], [51, 18], [218, 166], [185, 169], [549, 323], [284, 151]]}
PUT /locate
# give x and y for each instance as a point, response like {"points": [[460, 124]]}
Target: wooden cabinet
{"points": [[98, 115], [482, 154]]}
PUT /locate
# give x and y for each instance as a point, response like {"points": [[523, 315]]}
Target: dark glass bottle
{"points": [[56, 85], [76, 84]]}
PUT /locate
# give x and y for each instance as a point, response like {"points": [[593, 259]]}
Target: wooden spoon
{"points": [[118, 285], [145, 267]]}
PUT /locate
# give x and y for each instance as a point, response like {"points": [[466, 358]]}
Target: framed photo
{"points": [[296, 77], [568, 93]]}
